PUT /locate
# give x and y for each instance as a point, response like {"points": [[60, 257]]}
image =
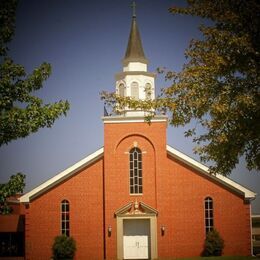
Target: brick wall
{"points": [[174, 189], [119, 139], [181, 195], [84, 192]]}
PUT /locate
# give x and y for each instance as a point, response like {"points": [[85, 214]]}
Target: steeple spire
{"points": [[134, 51], [135, 81]]}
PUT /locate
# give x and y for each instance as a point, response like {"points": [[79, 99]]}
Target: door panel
{"points": [[135, 247], [136, 237]]}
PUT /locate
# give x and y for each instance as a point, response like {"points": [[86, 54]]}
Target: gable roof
{"points": [[248, 194], [62, 176], [69, 172]]}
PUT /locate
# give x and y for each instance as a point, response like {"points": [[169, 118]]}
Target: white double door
{"points": [[135, 247], [136, 239]]}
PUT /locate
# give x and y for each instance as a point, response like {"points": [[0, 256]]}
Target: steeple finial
{"points": [[133, 5]]}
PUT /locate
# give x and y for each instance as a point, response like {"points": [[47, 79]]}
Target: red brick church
{"points": [[137, 197]]}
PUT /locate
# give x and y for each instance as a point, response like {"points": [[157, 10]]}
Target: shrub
{"points": [[214, 244], [63, 247]]}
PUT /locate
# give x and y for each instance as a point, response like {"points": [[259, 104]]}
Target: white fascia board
{"points": [[132, 119], [62, 176], [248, 194]]}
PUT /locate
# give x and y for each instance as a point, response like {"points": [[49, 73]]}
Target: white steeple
{"points": [[135, 81]]}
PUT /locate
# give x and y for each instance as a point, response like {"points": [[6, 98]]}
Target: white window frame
{"points": [[135, 171], [135, 90], [121, 90], [208, 214], [65, 217]]}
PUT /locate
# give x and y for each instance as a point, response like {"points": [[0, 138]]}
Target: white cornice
{"points": [[123, 74], [62, 176], [132, 119], [248, 194]]}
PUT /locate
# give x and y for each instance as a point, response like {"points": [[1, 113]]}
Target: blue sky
{"points": [[85, 42]]}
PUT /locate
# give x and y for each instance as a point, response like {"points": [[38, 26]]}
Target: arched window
{"points": [[65, 218], [148, 91], [135, 90], [121, 89], [136, 182], [209, 218]]}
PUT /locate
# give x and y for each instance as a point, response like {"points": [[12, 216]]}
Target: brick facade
{"points": [[84, 191], [175, 190]]}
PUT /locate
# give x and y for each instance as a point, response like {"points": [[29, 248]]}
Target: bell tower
{"points": [[134, 152], [134, 81]]}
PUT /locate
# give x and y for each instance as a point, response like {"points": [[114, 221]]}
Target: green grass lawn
{"points": [[218, 258]]}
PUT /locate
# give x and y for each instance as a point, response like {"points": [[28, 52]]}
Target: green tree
{"points": [[21, 112], [14, 186], [218, 86]]}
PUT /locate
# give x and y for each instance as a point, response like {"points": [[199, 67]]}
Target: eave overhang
{"points": [[123, 74], [204, 170], [69, 172]]}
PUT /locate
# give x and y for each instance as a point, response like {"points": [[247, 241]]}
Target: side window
{"points": [[209, 218], [121, 90], [136, 181], [135, 90], [65, 218]]}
